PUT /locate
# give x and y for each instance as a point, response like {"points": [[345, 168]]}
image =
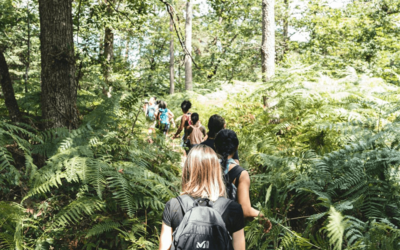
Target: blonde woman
{"points": [[202, 184]]}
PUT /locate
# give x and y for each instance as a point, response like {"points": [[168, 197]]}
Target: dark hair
{"points": [[186, 105], [215, 124], [226, 143], [158, 102], [162, 105], [195, 118], [155, 98]]}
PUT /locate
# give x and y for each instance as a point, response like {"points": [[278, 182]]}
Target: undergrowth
{"points": [[323, 156]]}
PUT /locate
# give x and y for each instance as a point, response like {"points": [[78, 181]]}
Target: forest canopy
{"points": [[311, 87]]}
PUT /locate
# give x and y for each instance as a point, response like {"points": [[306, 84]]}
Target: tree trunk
{"points": [[108, 53], [58, 64], [128, 40], [188, 45], [108, 47], [268, 40], [171, 58], [101, 45], [8, 90], [286, 21], [179, 75], [29, 49]]}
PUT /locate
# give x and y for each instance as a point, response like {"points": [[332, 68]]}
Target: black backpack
{"points": [[231, 189], [202, 226]]}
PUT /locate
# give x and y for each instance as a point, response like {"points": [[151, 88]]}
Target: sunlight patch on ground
{"points": [[219, 97]]}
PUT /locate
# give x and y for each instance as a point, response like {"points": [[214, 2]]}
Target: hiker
{"points": [[237, 179], [164, 116], [185, 121], [157, 122], [215, 124], [190, 215], [150, 109], [195, 132]]}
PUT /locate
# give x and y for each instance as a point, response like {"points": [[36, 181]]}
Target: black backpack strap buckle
{"points": [[204, 202]]}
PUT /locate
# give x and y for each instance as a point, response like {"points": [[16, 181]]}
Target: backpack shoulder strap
{"points": [[234, 173], [186, 202], [221, 205]]}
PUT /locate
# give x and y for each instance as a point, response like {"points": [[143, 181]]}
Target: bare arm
{"points": [[145, 107], [183, 119], [166, 237], [244, 196], [238, 240], [203, 130]]}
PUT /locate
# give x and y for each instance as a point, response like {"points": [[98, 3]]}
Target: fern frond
{"points": [[101, 228], [335, 228], [73, 212]]}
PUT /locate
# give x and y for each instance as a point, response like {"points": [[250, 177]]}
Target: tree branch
{"points": [[170, 10]]}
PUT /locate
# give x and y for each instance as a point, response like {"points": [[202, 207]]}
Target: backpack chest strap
{"points": [[186, 202]]}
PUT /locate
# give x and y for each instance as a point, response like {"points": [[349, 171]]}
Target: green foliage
{"points": [[335, 228], [103, 171], [323, 154]]}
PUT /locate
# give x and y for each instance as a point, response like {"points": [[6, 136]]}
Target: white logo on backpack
{"points": [[205, 244]]}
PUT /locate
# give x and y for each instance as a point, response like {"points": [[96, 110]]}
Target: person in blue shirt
{"points": [[164, 116]]}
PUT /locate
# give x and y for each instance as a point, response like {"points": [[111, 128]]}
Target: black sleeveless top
{"points": [[233, 216]]}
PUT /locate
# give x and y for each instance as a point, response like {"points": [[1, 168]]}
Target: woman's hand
{"points": [[266, 224]]}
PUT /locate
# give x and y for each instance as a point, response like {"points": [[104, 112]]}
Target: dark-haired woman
{"points": [[185, 122], [226, 144], [215, 124], [196, 132]]}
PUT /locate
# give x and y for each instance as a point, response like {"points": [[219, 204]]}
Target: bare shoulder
{"points": [[244, 177]]}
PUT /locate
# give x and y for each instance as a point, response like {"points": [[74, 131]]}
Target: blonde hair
{"points": [[202, 174]]}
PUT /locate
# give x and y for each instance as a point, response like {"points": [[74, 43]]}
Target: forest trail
{"points": [[219, 97]]}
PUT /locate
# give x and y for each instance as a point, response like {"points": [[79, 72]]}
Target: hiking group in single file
{"points": [[210, 213]]}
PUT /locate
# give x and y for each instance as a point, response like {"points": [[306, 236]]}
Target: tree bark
{"points": [[127, 47], [58, 64], [28, 59], [8, 90], [171, 58], [268, 40], [108, 53], [188, 45], [108, 47], [286, 21], [101, 45]]}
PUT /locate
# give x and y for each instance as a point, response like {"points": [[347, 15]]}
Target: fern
{"points": [[335, 228]]}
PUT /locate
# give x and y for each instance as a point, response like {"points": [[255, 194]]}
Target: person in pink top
{"points": [[196, 132]]}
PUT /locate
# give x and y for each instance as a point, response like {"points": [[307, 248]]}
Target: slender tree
{"points": [[171, 57], [127, 48], [286, 21], [268, 40], [8, 90], [28, 59], [108, 45], [58, 64], [188, 45]]}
